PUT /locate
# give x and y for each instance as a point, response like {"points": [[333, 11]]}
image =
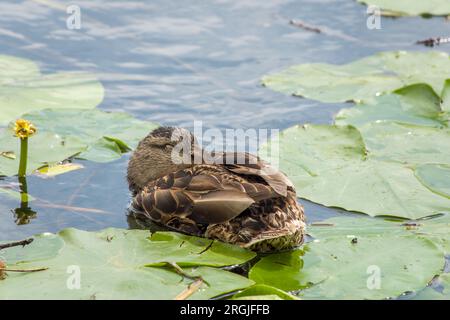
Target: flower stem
{"points": [[23, 157]]}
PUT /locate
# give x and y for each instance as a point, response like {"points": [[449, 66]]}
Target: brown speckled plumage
{"points": [[249, 204]]}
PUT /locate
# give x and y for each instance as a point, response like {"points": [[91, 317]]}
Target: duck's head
{"points": [[164, 150]]}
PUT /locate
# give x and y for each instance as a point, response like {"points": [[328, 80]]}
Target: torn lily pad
{"points": [[364, 79]]}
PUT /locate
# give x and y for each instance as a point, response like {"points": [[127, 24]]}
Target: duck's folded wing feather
{"points": [[247, 164], [203, 198]]}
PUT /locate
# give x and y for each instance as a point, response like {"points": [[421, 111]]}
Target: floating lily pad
{"points": [[23, 89], [114, 264], [336, 266], [331, 165], [263, 292], [107, 135], [411, 7], [363, 79], [88, 134], [436, 177], [355, 227], [44, 148], [416, 104], [437, 229]]}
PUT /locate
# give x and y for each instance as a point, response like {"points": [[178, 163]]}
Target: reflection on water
{"points": [[23, 214], [168, 62]]}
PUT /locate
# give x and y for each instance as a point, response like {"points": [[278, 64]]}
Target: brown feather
{"points": [[220, 206]]}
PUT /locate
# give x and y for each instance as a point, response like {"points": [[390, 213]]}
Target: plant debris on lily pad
{"points": [[411, 7], [23, 89], [120, 264], [364, 79]]}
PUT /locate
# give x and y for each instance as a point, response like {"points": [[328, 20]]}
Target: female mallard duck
{"points": [[249, 204]]}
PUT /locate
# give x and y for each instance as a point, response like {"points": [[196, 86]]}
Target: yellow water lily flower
{"points": [[24, 128]]}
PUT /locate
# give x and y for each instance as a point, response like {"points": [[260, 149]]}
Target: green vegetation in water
{"points": [[411, 7], [364, 79], [121, 264]]}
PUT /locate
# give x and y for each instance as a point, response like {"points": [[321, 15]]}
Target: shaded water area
{"points": [[173, 63]]}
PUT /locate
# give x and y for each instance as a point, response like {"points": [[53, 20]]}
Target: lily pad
{"points": [[437, 229], [335, 266], [107, 135], [120, 264], [44, 148], [411, 7], [415, 104], [436, 177], [88, 134], [364, 79], [331, 165], [263, 292], [23, 89]]}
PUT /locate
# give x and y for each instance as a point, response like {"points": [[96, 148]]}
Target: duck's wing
{"points": [[200, 196], [248, 164]]}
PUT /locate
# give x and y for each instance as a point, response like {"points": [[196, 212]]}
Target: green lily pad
{"points": [[416, 104], [44, 148], [437, 229], [408, 144], [331, 165], [88, 134], [364, 79], [263, 292], [335, 266], [23, 89], [436, 177], [120, 264], [260, 297], [411, 7], [355, 227], [107, 135]]}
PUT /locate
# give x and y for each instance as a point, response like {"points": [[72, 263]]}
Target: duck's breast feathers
{"points": [[205, 194]]}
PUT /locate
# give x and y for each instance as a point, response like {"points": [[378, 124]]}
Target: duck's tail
{"points": [[280, 229]]}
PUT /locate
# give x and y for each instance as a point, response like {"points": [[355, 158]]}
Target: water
{"points": [[173, 63]]}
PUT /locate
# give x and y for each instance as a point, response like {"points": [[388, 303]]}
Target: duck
{"points": [[235, 198]]}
